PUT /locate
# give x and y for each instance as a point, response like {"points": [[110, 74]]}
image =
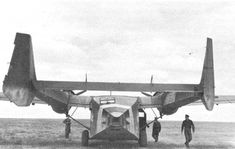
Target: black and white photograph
{"points": [[117, 74]]}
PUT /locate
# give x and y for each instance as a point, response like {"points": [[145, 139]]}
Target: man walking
{"points": [[156, 129], [186, 126]]}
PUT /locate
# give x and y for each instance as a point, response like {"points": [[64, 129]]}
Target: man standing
{"points": [[67, 123], [186, 126], [156, 129]]}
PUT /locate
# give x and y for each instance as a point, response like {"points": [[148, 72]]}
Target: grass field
{"points": [[44, 133]]}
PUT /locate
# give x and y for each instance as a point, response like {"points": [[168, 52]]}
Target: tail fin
{"points": [[17, 85], [207, 81]]}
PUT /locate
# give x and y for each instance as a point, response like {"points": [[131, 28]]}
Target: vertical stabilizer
{"points": [[207, 80], [17, 85]]}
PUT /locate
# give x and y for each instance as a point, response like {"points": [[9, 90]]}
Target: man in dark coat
{"points": [[156, 129], [186, 126]]}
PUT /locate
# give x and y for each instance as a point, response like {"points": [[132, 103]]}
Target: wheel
{"points": [[143, 138], [67, 131], [85, 138]]}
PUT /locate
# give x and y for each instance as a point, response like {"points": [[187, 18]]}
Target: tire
{"points": [[67, 131], [143, 138], [85, 138]]}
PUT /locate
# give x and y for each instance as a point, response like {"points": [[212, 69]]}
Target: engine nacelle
{"points": [[168, 110], [59, 108]]}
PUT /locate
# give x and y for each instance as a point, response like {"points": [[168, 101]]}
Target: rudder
{"points": [[17, 85], [207, 80]]}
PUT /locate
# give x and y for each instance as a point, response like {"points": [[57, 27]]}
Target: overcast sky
{"points": [[123, 41]]}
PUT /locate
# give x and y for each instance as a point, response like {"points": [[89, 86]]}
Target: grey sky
{"points": [[124, 41]]}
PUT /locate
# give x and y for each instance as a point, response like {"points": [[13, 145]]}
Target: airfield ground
{"points": [[44, 133]]}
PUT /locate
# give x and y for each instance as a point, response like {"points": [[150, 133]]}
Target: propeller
{"points": [[79, 93], [146, 94], [152, 95]]}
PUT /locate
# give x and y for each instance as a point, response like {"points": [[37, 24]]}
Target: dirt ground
{"points": [[47, 134]]}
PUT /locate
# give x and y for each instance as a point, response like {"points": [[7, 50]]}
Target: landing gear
{"points": [[142, 128], [143, 138], [85, 133], [85, 138], [67, 123]]}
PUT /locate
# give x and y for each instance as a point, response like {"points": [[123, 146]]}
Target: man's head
{"points": [[186, 116], [156, 119]]}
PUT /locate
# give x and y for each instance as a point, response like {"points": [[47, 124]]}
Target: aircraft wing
{"points": [[22, 87], [35, 100], [223, 99], [111, 86], [75, 101]]}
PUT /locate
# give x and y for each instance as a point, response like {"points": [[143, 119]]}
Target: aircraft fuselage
{"points": [[114, 118]]}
